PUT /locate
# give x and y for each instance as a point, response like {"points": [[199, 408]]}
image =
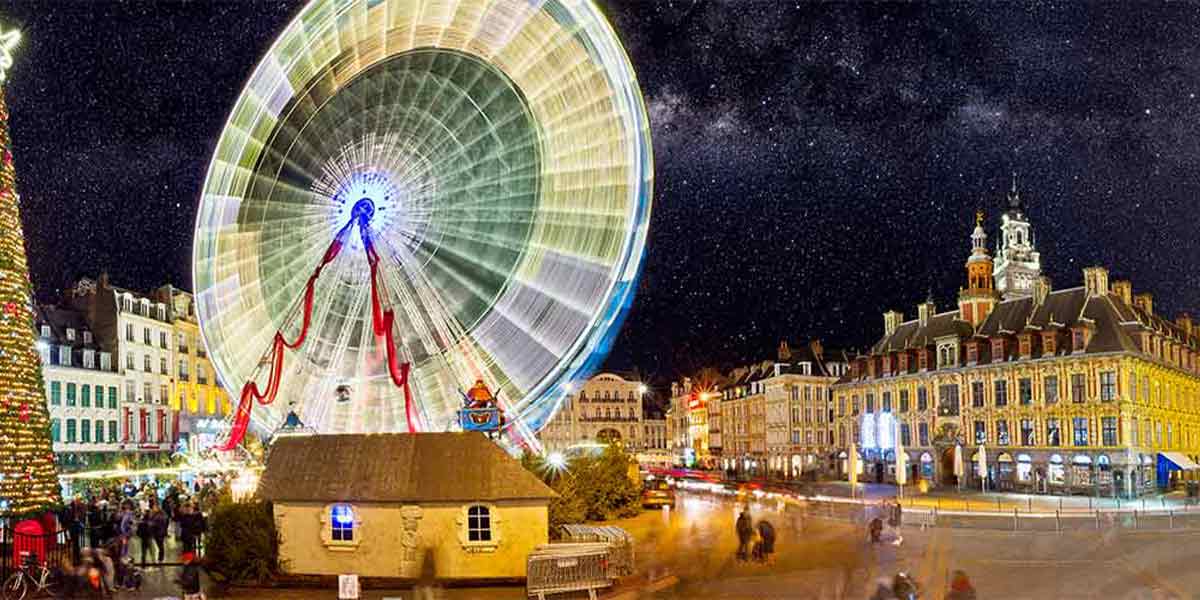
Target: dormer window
{"points": [[1077, 340], [162, 312], [87, 337], [70, 334], [45, 331], [64, 356], [89, 359], [127, 303], [998, 354]]}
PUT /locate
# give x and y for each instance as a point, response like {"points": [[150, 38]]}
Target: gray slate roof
{"points": [[396, 467]]}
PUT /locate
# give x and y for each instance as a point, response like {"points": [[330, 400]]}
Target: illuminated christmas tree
{"points": [[28, 477]]}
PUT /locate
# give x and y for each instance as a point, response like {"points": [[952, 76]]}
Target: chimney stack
{"points": [[1124, 289], [891, 321], [1041, 290], [817, 348], [785, 352], [925, 311], [1096, 281], [1144, 301], [1185, 322]]}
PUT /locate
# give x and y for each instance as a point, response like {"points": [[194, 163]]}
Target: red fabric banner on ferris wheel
{"points": [[381, 324]]}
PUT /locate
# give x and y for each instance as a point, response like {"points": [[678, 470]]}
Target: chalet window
{"points": [[341, 523], [479, 524]]}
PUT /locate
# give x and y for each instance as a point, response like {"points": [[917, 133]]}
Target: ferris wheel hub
{"points": [[363, 210]]}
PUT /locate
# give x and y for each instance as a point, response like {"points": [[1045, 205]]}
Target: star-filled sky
{"points": [[815, 164]]}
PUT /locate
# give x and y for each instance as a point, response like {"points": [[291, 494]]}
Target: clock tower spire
{"points": [[976, 301], [1018, 263]]}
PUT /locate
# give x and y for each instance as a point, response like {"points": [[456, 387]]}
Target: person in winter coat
{"points": [[745, 531], [158, 529], [125, 527], [960, 587], [189, 579], [145, 535], [875, 529], [766, 535]]}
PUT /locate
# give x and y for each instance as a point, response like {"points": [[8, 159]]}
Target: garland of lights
{"points": [[28, 475]]}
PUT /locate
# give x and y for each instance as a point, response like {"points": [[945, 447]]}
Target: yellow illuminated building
{"points": [[1083, 390]]}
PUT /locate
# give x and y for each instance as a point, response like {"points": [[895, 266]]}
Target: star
{"points": [[8, 42]]}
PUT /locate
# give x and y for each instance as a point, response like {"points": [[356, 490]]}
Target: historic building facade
{"points": [[606, 408], [195, 394], [775, 417], [1083, 390], [137, 331], [82, 386]]}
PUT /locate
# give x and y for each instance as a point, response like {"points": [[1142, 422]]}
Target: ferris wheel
{"points": [[412, 196]]}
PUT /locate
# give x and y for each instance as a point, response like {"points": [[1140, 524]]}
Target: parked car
{"points": [[657, 492]]}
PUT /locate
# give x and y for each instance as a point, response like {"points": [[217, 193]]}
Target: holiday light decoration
{"points": [[501, 150], [28, 476]]}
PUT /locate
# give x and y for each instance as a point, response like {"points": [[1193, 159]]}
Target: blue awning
{"points": [[1174, 461]]}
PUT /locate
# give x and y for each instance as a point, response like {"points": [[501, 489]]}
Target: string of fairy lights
{"points": [[28, 476]]}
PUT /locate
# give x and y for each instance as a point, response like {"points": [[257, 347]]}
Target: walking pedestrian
{"points": [[875, 530], [895, 520], [766, 535], [144, 534], [745, 531]]}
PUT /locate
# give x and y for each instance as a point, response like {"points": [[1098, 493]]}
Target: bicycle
{"points": [[32, 577]]}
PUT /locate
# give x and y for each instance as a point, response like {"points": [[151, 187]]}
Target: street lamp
{"points": [[642, 389]]}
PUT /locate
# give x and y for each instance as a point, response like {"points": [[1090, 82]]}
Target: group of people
{"points": [[755, 541], [902, 587], [104, 524], [121, 513]]}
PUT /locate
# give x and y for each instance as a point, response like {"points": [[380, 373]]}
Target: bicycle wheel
{"points": [[50, 588], [15, 587]]}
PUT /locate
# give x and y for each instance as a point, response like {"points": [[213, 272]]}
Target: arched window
{"points": [[479, 524], [341, 523]]}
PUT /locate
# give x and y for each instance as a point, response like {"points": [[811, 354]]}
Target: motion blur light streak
{"points": [[500, 152]]}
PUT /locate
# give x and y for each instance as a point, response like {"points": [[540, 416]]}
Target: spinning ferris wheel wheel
{"points": [[413, 195]]}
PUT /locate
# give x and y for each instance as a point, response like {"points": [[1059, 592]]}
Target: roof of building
{"points": [[60, 320], [396, 467], [1112, 322]]}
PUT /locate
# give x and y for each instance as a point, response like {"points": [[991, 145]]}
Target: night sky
{"points": [[815, 165]]}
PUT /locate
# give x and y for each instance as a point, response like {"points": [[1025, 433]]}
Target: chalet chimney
{"points": [[891, 321], [1123, 288], [1041, 290], [925, 311], [1096, 281], [1144, 301]]}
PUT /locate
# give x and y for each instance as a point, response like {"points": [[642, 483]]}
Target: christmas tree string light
{"points": [[28, 476]]}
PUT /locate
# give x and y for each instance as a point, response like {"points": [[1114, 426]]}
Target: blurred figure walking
{"points": [[745, 531]]}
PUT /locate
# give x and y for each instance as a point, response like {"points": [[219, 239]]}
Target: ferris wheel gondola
{"points": [[411, 196]]}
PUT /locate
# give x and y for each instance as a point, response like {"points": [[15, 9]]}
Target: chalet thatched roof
{"points": [[394, 467]]}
